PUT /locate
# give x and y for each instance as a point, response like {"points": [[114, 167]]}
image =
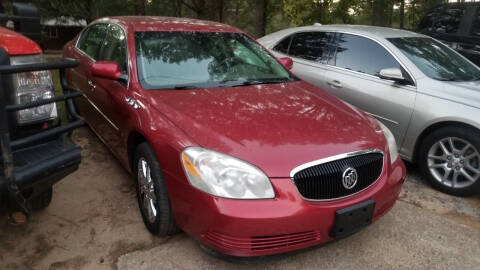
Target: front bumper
{"points": [[282, 224], [38, 167]]}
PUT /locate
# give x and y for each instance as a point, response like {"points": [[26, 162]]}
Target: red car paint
{"points": [[17, 44], [106, 70], [275, 127], [287, 62]]}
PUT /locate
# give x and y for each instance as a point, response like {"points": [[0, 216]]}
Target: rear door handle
{"points": [[335, 84]]}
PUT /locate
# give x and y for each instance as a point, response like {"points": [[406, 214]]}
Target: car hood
{"points": [[275, 127]]}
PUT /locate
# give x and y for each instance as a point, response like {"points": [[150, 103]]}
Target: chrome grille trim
{"points": [[335, 158]]}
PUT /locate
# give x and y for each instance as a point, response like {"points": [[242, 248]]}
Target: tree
{"points": [[260, 18], [81, 9], [378, 15], [203, 9], [303, 12], [402, 14], [220, 10], [139, 7], [177, 8], [342, 11]]}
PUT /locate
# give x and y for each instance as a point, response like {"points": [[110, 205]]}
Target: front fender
{"points": [[435, 112], [166, 139]]}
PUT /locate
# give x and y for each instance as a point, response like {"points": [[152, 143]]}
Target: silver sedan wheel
{"points": [[454, 162], [146, 189]]}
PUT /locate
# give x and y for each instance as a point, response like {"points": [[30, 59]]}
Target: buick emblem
{"points": [[349, 178]]}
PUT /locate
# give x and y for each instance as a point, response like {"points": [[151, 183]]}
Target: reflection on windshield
{"points": [[185, 60], [436, 60]]}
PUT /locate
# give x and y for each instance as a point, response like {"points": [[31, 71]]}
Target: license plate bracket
{"points": [[352, 219]]}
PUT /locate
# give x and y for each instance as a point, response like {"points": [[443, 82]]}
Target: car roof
{"points": [[375, 32], [156, 23]]}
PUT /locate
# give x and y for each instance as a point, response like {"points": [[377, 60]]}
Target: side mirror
{"points": [[107, 70], [287, 62], [394, 74]]}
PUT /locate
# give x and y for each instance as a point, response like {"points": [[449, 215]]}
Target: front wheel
{"points": [[450, 160], [152, 195]]}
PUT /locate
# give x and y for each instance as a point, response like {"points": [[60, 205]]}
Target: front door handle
{"points": [[92, 85], [335, 84]]}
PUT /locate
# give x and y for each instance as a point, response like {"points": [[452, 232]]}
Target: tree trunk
{"points": [[89, 10], [260, 18], [402, 14], [177, 8], [389, 13], [201, 9], [220, 10], [139, 7], [378, 14], [204, 10]]}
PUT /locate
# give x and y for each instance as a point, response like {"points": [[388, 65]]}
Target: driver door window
{"points": [[92, 40], [115, 47]]}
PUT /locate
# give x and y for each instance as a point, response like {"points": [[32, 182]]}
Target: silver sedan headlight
{"points": [[392, 144], [225, 176]]}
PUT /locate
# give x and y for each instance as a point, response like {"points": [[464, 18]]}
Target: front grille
{"points": [[262, 243], [324, 181]]}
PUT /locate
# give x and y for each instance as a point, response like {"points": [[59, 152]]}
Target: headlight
{"points": [[392, 145], [33, 86], [225, 176]]}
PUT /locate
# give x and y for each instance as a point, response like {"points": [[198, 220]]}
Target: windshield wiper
{"points": [[457, 80], [234, 83], [446, 79], [177, 87]]}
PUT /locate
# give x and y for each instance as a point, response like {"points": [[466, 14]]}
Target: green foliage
{"points": [[83, 9], [241, 13], [303, 12]]}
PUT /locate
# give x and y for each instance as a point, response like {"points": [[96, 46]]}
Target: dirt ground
{"points": [[94, 223]]}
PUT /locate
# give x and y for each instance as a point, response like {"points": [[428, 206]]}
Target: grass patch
{"points": [[61, 106]]}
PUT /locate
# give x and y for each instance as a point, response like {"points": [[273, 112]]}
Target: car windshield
{"points": [[436, 60], [188, 60]]}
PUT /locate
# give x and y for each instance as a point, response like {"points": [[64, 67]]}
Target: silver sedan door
{"points": [[352, 75]]}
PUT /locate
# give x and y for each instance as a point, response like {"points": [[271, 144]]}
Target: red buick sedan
{"points": [[224, 142]]}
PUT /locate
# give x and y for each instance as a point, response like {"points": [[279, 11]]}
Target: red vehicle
{"points": [[224, 142]]}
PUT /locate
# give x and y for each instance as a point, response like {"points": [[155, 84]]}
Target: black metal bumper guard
{"points": [[21, 169]]}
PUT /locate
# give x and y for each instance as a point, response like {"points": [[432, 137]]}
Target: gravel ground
{"points": [[94, 223]]}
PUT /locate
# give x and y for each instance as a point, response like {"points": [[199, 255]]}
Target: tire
{"points": [[159, 220], [437, 157], [42, 200]]}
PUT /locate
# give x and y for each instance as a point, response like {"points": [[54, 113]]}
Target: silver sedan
{"points": [[426, 93]]}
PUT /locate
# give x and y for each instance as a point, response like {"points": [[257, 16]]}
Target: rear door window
{"points": [[312, 46], [91, 40], [362, 55]]}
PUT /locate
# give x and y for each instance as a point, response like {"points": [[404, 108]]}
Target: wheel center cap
{"points": [[457, 162]]}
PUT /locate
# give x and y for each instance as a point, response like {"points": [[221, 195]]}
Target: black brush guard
{"points": [[38, 161]]}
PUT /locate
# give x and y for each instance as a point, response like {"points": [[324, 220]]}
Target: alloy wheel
{"points": [[454, 162], [146, 187]]}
